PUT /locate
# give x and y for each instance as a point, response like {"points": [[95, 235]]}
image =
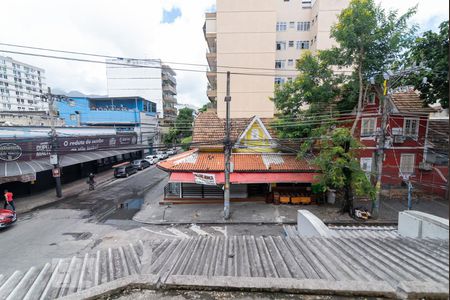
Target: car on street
{"points": [[140, 164], [7, 217], [152, 159], [124, 171], [162, 155], [172, 151]]}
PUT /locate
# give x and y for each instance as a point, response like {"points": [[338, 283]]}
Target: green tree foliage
{"points": [[371, 40], [341, 169], [182, 127], [308, 94], [431, 50]]}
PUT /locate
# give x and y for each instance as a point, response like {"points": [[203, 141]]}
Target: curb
{"points": [[339, 223]]}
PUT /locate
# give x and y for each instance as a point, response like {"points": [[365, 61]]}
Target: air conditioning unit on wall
{"points": [[425, 166], [399, 139]]}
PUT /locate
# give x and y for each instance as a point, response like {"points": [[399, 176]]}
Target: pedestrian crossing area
{"points": [[186, 231]]}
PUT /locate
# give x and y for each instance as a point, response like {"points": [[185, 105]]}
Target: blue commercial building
{"points": [[122, 113]]}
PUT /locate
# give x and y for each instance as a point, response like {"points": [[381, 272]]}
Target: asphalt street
{"points": [[99, 219]]}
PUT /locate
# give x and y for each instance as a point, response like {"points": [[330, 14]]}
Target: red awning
{"points": [[242, 178]]}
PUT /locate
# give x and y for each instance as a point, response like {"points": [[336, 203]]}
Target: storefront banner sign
{"points": [[206, 179], [10, 151], [36, 148]]}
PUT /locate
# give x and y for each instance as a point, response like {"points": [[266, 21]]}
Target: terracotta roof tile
{"points": [[211, 161], [410, 102]]}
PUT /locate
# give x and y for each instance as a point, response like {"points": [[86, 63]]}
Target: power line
{"points": [[155, 60]]}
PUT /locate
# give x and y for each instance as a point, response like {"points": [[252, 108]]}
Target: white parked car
{"points": [[152, 159], [161, 155], [171, 151]]}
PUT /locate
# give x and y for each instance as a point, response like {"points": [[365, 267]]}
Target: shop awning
{"points": [[26, 170], [247, 178]]}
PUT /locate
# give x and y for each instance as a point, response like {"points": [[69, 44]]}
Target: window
{"points": [[290, 62], [407, 163], [411, 127], [291, 25], [255, 134], [306, 3], [281, 26], [291, 43], [366, 165], [279, 64], [302, 45], [279, 80], [281, 45], [368, 126], [303, 26], [371, 99]]}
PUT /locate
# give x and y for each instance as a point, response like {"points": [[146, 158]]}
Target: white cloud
{"points": [[132, 28], [117, 28], [430, 13]]}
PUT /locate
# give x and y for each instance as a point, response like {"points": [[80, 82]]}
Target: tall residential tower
{"points": [[22, 86], [261, 41]]}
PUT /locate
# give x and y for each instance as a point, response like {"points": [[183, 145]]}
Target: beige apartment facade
{"points": [[259, 43]]}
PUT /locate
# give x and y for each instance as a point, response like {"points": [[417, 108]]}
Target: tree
{"points": [[431, 51], [182, 127], [371, 40], [307, 95], [340, 168]]}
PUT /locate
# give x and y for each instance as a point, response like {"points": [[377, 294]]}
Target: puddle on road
{"points": [[125, 210]]}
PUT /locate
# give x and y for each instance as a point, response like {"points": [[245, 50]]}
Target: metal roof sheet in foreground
{"points": [[390, 267]]}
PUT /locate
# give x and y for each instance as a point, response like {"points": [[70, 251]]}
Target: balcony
{"points": [[211, 57], [209, 29], [169, 89], [170, 111], [168, 77], [211, 93], [212, 76], [169, 98]]}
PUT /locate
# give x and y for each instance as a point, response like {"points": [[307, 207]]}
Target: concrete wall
{"points": [[416, 224], [247, 36]]}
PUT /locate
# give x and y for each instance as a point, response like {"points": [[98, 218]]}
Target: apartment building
{"points": [[146, 78], [22, 86], [260, 41]]}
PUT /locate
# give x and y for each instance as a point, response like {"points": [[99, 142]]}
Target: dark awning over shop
{"points": [[26, 170]]}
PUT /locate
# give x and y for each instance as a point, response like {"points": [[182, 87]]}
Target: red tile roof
{"points": [[410, 102], [195, 161]]}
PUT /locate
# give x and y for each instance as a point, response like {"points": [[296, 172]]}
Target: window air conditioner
{"points": [[425, 166]]}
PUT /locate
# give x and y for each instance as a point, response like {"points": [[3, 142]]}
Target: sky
{"points": [[170, 30]]}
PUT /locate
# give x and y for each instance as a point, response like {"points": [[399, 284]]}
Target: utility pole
{"points": [[54, 158], [379, 154], [227, 149]]}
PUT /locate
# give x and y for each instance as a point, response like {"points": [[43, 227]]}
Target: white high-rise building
{"points": [[146, 78], [22, 86], [263, 39]]}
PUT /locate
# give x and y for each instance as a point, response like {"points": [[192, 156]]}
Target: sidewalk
{"points": [[261, 213], [78, 187]]}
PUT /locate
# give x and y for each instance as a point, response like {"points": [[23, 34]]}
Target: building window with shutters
{"points": [[281, 45], [411, 127], [368, 126], [407, 163], [281, 26]]}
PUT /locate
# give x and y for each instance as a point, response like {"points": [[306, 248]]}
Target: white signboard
{"points": [[206, 179]]}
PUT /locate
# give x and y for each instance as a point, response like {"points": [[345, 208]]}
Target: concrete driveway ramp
{"points": [[66, 276]]}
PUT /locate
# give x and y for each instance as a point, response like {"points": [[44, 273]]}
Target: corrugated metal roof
{"points": [[352, 231], [421, 266]]}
